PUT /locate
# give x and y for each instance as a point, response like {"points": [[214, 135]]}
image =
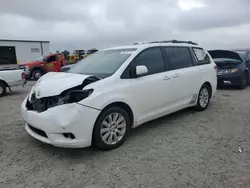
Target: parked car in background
{"points": [[232, 68], [106, 94], [10, 78], [42, 65], [245, 56]]}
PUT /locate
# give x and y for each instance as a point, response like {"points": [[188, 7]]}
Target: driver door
{"points": [[51, 64], [151, 93]]}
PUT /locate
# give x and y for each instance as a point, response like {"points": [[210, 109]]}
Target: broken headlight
{"points": [[76, 96]]}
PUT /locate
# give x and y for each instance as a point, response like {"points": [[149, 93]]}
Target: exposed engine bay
{"points": [[70, 95]]}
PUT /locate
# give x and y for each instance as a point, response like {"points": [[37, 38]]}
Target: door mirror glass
{"points": [[141, 70]]}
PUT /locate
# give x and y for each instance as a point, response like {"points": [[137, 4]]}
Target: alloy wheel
{"points": [[113, 128], [204, 97], [37, 75]]}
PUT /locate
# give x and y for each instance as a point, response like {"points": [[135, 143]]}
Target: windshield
{"points": [[102, 63], [242, 55], [41, 58]]}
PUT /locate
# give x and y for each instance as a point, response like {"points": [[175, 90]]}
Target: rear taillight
{"points": [[23, 75], [215, 67]]}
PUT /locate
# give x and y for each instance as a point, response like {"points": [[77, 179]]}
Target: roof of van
{"points": [[152, 44]]}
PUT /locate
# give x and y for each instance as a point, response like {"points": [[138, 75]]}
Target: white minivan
{"points": [[113, 90]]}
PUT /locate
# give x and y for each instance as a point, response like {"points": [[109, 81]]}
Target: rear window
{"points": [[201, 56]]}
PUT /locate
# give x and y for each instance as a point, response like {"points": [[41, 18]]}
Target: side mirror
{"points": [[141, 70]]}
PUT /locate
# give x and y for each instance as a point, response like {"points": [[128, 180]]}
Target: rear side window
{"points": [[178, 57], [201, 56], [152, 59]]}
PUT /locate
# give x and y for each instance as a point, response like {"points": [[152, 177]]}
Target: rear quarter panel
{"points": [[210, 75]]}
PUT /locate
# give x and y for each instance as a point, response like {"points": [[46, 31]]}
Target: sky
{"points": [[84, 24]]}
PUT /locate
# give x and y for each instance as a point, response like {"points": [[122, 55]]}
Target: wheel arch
{"points": [[210, 87], [120, 104], [37, 68], [125, 107], [4, 82], [247, 72]]}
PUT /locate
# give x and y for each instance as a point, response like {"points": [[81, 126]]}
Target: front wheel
{"points": [[243, 81], [37, 74], [203, 98], [2, 89], [111, 128]]}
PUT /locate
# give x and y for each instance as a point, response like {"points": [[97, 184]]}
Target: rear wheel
{"points": [[2, 89], [203, 98], [37, 74], [111, 128], [244, 81]]}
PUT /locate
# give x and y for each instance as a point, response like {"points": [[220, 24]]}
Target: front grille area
{"points": [[38, 131], [41, 105]]}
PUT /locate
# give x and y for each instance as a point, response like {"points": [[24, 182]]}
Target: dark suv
{"points": [[232, 67]]}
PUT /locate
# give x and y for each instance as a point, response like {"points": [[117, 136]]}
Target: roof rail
{"points": [[136, 43], [174, 41]]}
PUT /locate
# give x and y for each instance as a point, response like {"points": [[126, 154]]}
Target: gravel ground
{"points": [[186, 149]]}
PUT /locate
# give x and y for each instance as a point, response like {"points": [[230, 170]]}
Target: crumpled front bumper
{"points": [[69, 118]]}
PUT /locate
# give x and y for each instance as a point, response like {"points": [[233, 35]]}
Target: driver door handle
{"points": [[176, 76], [166, 77]]}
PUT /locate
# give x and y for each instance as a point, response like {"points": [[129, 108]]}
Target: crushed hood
{"points": [[52, 84], [224, 54]]}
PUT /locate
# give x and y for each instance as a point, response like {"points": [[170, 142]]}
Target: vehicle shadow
{"points": [[9, 93], [162, 121], [228, 87], [88, 153]]}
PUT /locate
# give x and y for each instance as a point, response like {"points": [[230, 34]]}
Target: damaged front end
{"points": [[71, 95]]}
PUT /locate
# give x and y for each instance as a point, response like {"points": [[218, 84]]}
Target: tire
{"points": [[243, 81], [2, 89], [203, 104], [35, 74], [109, 130], [220, 84]]}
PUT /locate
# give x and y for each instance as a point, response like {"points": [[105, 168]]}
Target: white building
{"points": [[21, 51]]}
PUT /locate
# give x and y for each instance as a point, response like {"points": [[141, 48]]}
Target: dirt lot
{"points": [[186, 149]]}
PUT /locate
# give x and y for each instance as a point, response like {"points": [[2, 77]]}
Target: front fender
{"points": [[101, 101]]}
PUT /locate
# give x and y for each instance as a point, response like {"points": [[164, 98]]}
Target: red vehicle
{"points": [[42, 65]]}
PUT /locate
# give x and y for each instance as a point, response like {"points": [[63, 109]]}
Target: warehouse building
{"points": [[20, 51]]}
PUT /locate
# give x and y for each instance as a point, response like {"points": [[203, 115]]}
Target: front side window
{"points": [[152, 59], [51, 59], [201, 56], [102, 63], [178, 57]]}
